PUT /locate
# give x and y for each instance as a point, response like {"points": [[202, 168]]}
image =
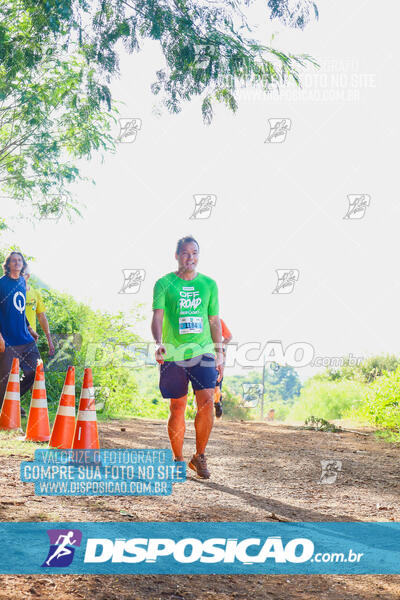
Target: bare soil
{"points": [[260, 472]]}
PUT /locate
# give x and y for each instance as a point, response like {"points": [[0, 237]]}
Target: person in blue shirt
{"points": [[17, 338]]}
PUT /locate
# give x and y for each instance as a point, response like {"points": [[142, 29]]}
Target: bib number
{"points": [[190, 325]]}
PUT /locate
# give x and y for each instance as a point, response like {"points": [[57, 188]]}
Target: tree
{"points": [[57, 59], [283, 384], [208, 48], [50, 111]]}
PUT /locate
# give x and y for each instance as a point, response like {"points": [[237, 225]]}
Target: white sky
{"points": [[279, 206]]}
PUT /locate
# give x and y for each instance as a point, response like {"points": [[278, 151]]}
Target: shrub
{"points": [[381, 405], [327, 399], [232, 405]]}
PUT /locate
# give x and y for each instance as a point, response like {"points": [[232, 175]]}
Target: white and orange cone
{"points": [[10, 417], [38, 426], [86, 435], [62, 434]]}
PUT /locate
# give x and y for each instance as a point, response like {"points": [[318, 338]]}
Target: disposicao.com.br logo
{"points": [[204, 548], [190, 550], [248, 551]]}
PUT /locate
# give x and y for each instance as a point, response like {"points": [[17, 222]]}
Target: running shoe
{"points": [[199, 464], [218, 409]]}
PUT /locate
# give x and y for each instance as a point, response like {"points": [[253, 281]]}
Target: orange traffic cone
{"points": [[10, 417], [86, 435], [62, 434], [38, 426]]}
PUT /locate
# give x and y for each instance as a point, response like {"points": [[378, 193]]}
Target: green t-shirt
{"points": [[187, 306]]}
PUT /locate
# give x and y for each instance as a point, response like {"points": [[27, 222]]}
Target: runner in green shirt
{"points": [[187, 331]]}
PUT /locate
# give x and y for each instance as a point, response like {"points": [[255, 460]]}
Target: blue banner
{"points": [[106, 472], [179, 548]]}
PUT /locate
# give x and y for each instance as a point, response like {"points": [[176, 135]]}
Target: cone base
{"points": [[82, 445], [60, 445], [37, 439]]}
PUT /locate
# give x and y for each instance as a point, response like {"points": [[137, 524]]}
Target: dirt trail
{"points": [[260, 472]]}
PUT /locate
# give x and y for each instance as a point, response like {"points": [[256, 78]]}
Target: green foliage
{"points": [[51, 110], [327, 399], [365, 371], [381, 405], [86, 335], [207, 47], [374, 366], [232, 407], [282, 384], [149, 402]]}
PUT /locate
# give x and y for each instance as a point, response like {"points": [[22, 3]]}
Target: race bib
{"points": [[190, 325]]}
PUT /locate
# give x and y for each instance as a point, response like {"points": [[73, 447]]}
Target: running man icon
{"points": [[61, 551]]}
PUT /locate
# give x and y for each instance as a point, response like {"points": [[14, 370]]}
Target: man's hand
{"points": [[159, 353], [220, 364], [156, 330], [2, 344], [33, 334]]}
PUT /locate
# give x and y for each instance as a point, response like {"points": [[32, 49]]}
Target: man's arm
{"points": [[31, 330], [45, 326], [156, 330], [216, 334]]}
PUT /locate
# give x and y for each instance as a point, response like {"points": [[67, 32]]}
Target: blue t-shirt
{"points": [[13, 325]]}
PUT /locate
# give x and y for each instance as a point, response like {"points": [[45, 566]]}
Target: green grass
{"points": [[388, 436], [12, 442]]}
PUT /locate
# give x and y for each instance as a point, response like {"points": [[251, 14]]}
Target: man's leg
{"points": [[174, 385], [204, 420], [176, 425], [28, 356], [218, 400], [6, 359], [203, 376]]}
